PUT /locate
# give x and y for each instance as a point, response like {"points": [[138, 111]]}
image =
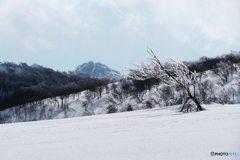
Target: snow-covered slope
{"points": [[89, 103], [97, 70], [153, 134]]}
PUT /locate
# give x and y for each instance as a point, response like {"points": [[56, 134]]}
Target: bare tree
{"points": [[85, 104], [107, 89], [232, 91], [211, 92], [111, 109], [223, 95], [113, 87], [117, 98], [156, 93], [203, 88], [166, 94], [223, 71], [99, 91], [175, 73], [4, 118]]}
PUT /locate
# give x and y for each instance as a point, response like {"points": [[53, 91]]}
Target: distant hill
{"points": [[35, 65], [97, 70], [21, 83]]}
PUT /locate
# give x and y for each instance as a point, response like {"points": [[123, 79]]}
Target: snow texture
{"points": [[160, 133]]}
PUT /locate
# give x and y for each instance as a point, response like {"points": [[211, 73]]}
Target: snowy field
{"points": [[160, 133]]}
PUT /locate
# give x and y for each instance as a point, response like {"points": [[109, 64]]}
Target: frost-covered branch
{"points": [[152, 67], [175, 73]]}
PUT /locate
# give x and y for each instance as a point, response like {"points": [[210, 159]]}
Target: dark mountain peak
{"points": [[35, 65], [97, 70], [91, 63]]}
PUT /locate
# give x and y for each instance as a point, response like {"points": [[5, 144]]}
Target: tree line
{"points": [[206, 63], [185, 76], [21, 84]]}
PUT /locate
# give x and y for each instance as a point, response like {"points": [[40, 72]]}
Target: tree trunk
{"points": [[188, 107], [199, 107], [194, 99], [185, 103]]}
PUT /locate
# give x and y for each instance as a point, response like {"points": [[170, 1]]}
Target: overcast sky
{"points": [[61, 34]]}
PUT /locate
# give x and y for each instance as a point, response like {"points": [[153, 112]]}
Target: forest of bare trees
{"points": [[21, 84], [39, 91]]}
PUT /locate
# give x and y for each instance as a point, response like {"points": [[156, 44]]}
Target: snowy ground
{"points": [[161, 134]]}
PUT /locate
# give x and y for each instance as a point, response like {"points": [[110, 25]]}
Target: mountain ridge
{"points": [[97, 69]]}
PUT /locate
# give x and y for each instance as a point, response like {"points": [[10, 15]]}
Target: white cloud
{"points": [[216, 20], [203, 24], [29, 19]]}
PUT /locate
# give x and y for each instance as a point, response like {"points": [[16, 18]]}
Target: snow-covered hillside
{"points": [[161, 133], [113, 98]]}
